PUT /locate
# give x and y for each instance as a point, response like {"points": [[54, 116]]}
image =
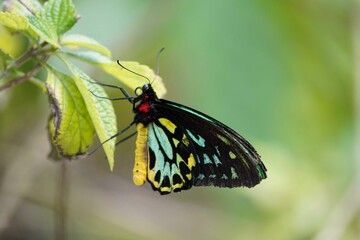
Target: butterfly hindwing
{"points": [[171, 161]]}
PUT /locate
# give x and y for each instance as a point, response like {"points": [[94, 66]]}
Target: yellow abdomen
{"points": [[141, 155]]}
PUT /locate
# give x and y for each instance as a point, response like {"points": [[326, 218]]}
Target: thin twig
{"points": [[27, 7], [62, 197], [23, 58], [17, 63], [24, 77], [21, 79]]}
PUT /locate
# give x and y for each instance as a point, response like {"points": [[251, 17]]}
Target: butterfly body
{"points": [[178, 147]]}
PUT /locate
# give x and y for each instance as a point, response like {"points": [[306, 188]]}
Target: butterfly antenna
{"points": [[118, 62], [158, 64]]}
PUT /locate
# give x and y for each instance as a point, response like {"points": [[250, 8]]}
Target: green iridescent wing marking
{"points": [[187, 148]]}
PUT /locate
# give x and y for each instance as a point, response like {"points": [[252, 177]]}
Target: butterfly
{"points": [[178, 147]]}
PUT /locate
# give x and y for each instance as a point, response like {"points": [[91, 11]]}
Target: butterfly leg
{"points": [[124, 92], [113, 136], [112, 99], [126, 138]]}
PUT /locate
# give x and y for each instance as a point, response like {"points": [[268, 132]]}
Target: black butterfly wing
{"points": [[222, 157]]}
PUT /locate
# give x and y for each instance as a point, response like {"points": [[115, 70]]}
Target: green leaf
{"points": [[72, 129], [101, 110], [10, 43], [4, 58], [60, 14], [124, 76], [57, 17], [46, 31], [13, 21], [17, 22], [77, 40]]}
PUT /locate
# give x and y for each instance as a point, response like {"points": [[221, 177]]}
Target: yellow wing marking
{"points": [[191, 164], [141, 155], [151, 177], [232, 155], [168, 124]]}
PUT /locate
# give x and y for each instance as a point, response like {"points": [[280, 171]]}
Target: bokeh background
{"points": [[282, 73]]}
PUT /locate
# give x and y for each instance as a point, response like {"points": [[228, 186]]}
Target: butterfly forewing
{"points": [[223, 157]]}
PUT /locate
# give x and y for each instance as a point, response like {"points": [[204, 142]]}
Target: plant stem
{"points": [[17, 63], [24, 77], [27, 7], [23, 58], [61, 199]]}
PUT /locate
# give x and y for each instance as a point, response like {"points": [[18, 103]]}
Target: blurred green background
{"points": [[282, 73]]}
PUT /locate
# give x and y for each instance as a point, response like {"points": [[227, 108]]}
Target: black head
{"points": [[146, 87], [145, 92]]}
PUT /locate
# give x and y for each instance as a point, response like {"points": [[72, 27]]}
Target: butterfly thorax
{"points": [[144, 111]]}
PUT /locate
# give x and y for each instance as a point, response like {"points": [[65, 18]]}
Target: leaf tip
{"points": [[111, 164]]}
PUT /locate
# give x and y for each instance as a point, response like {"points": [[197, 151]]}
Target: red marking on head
{"points": [[144, 107]]}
